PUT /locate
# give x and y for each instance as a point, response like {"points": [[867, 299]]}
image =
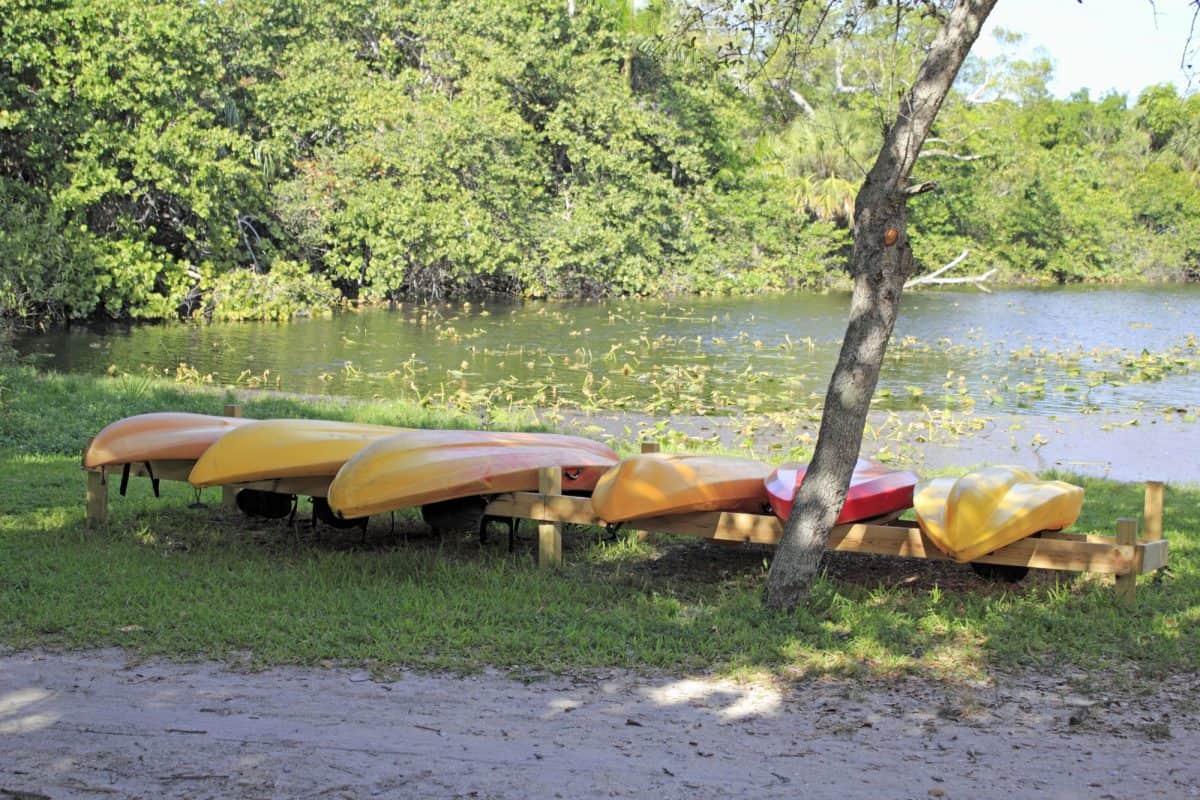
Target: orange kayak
{"points": [[421, 467], [654, 485], [160, 436]]}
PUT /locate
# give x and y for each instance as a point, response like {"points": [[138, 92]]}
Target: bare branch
{"points": [[977, 280], [927, 278], [799, 100], [1190, 48], [918, 188], [976, 97], [841, 85], [245, 225], [947, 154], [934, 278]]}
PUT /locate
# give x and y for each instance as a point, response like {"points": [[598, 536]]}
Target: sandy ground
{"points": [[96, 725]]}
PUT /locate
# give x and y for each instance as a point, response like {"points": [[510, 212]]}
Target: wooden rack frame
{"points": [[1125, 555]]}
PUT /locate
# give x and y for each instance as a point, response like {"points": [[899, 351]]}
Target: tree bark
{"points": [[880, 262]]}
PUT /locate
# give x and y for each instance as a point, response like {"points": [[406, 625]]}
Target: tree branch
{"points": [[799, 100], [842, 86], [880, 261], [934, 278], [931, 276], [918, 188], [947, 154], [1190, 47]]}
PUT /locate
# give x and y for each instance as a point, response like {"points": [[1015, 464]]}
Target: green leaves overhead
{"points": [[163, 158]]}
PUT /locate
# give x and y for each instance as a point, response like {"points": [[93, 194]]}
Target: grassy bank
{"points": [[166, 578]]}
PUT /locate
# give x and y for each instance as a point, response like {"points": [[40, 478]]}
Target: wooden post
{"points": [[229, 493], [1127, 582], [97, 498], [648, 446], [1152, 512], [550, 533]]}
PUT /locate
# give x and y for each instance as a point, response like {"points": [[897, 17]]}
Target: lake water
{"points": [[1041, 351]]}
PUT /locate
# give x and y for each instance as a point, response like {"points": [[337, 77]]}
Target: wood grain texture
{"points": [[229, 493], [97, 499], [1127, 579], [1152, 512], [549, 532]]}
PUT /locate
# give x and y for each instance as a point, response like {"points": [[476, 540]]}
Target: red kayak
{"points": [[874, 491]]}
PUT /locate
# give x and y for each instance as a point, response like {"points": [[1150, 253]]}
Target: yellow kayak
{"points": [[653, 485], [987, 509], [284, 448], [161, 436], [422, 467]]}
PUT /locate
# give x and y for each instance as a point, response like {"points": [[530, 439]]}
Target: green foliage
{"points": [[179, 157], [121, 151], [1073, 190], [1161, 113], [288, 290]]}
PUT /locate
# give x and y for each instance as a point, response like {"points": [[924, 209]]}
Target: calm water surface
{"points": [[1024, 350]]}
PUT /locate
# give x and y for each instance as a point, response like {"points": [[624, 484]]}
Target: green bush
{"points": [[287, 290]]}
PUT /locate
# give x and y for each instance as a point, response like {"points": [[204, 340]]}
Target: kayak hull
{"points": [[423, 467], [656, 484], [987, 509], [875, 491], [159, 436], [284, 449]]}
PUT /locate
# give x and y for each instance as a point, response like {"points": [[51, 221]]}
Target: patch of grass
{"points": [[54, 413], [167, 579]]}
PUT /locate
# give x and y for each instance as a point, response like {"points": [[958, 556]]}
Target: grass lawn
{"points": [[169, 579]]}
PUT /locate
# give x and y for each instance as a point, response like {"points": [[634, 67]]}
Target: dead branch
{"points": [[976, 98], [947, 154], [1191, 48], [918, 188], [799, 100], [934, 278], [842, 86]]}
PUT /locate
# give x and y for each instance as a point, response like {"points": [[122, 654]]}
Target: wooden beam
{"points": [[550, 533], [229, 493], [718, 525], [97, 499], [1152, 556], [1152, 512], [1127, 580], [1072, 536], [1053, 550], [1098, 554]]}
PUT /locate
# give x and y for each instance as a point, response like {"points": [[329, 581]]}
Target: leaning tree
{"points": [[881, 261], [881, 258]]}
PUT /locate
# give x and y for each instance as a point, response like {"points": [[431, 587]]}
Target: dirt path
{"points": [[94, 725]]}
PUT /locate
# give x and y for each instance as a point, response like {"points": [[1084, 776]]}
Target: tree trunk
{"points": [[880, 262]]}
